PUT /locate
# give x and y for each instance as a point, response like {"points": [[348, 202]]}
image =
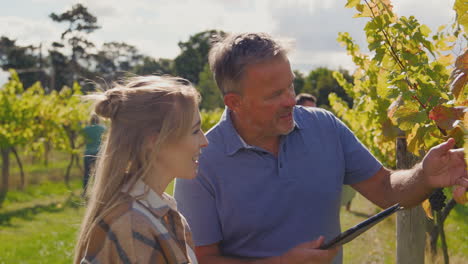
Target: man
{"points": [[306, 99], [269, 183]]}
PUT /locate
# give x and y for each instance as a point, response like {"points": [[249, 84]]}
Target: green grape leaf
{"points": [[389, 130]]}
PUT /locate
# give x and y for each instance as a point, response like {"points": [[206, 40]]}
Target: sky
{"points": [[156, 26]]}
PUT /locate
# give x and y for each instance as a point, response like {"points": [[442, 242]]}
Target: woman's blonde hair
{"points": [[145, 113]]}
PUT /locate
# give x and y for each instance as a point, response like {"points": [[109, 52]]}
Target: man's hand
{"points": [[308, 253], [444, 166]]}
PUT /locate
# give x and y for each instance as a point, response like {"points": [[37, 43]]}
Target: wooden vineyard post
{"points": [[410, 227]]}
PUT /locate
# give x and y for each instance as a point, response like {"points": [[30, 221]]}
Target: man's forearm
{"points": [[409, 187], [386, 188]]}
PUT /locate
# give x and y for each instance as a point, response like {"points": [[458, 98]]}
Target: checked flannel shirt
{"points": [[147, 229]]}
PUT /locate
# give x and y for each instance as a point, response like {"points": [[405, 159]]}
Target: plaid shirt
{"points": [[146, 230]]}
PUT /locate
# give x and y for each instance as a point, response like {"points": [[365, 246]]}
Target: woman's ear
{"points": [[233, 101]]}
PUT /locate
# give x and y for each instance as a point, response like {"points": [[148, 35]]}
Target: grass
{"points": [[378, 245], [47, 237], [39, 225], [46, 189]]}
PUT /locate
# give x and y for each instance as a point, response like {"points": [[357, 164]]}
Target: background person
{"points": [[93, 133], [153, 138], [306, 99], [269, 184]]}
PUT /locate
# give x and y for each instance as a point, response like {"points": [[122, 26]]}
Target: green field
{"points": [[39, 225]]}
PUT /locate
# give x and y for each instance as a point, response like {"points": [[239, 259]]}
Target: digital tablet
{"points": [[360, 228]]}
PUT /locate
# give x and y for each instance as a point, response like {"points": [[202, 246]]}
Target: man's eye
{"points": [[276, 94]]}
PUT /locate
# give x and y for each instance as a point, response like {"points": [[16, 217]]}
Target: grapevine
{"points": [[410, 86]]}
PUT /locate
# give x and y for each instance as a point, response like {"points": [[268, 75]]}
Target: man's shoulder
{"points": [[309, 116]]}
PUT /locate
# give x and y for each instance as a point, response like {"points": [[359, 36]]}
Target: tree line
{"points": [[73, 57]]}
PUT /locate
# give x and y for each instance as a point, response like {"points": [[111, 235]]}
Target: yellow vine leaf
{"points": [[459, 76], [352, 3], [371, 7], [459, 194], [426, 205], [446, 60], [461, 8]]}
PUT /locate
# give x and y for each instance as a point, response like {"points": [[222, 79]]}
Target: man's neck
{"points": [[254, 136]]}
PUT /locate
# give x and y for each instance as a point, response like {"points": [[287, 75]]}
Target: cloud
{"points": [[29, 31], [156, 26], [4, 75], [159, 26], [430, 12], [316, 27], [304, 60]]}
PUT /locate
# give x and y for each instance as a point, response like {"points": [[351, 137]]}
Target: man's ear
{"points": [[233, 101]]}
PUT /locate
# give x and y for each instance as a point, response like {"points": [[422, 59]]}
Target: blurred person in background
{"points": [[306, 99], [93, 134]]}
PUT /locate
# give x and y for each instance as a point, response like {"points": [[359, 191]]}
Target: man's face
{"points": [[268, 97]]}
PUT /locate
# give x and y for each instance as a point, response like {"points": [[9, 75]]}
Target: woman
{"points": [[154, 137]]}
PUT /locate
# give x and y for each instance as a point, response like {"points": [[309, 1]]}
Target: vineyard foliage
{"points": [[209, 118], [30, 117], [412, 83], [34, 121]]}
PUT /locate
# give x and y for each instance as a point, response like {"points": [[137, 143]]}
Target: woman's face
{"points": [[180, 159]]}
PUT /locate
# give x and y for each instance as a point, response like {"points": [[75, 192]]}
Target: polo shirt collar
{"points": [[159, 205], [232, 140]]}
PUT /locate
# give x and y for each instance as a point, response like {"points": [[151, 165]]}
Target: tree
{"points": [[153, 66], [23, 59], [320, 82], [114, 60], [194, 55], [18, 123], [80, 23], [299, 81], [61, 71], [211, 96]]}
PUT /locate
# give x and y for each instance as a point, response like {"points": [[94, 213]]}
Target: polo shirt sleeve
{"points": [[360, 164], [196, 201]]}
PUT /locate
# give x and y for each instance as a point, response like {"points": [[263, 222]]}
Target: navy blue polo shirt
{"points": [[259, 205]]}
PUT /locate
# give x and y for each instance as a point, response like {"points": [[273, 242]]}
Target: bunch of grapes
{"points": [[437, 200]]}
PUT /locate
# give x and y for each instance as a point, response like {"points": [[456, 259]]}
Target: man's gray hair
{"points": [[230, 56]]}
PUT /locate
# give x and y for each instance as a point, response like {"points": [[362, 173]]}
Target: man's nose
{"points": [[290, 99]]}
